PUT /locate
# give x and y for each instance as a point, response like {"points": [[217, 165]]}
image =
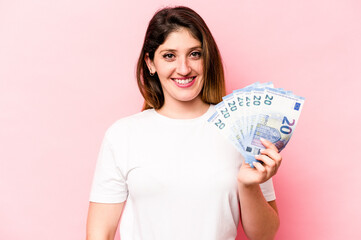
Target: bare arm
{"points": [[103, 220], [259, 218]]}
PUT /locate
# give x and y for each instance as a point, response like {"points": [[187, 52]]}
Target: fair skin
{"points": [[103, 220], [259, 218], [180, 62], [179, 65]]}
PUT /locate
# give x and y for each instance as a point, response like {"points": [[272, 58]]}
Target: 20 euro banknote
{"points": [[254, 112]]}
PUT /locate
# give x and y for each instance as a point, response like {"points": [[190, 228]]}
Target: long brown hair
{"points": [[164, 22]]}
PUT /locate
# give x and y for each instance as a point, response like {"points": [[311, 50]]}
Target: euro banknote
{"points": [[257, 111]]}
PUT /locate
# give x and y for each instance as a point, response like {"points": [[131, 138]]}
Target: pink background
{"points": [[67, 73]]}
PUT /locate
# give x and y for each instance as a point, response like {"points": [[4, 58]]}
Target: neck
{"points": [[184, 110]]}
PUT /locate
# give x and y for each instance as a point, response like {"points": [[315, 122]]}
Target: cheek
{"points": [[199, 67], [164, 70]]}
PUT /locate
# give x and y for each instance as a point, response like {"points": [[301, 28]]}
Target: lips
{"points": [[184, 82]]}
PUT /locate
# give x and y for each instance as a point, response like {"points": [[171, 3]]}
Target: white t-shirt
{"points": [[179, 177]]}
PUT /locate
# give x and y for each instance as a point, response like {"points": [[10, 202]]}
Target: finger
{"points": [[266, 160], [269, 164], [273, 155], [260, 167], [268, 144]]}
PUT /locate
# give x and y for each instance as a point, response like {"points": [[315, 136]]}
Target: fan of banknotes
{"points": [[257, 111]]}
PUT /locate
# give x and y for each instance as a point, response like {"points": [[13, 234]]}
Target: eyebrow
{"points": [[174, 50]]}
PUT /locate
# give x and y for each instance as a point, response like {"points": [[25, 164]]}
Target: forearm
{"points": [[100, 236], [259, 219]]}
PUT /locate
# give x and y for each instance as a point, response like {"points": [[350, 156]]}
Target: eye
{"points": [[196, 54], [168, 56]]}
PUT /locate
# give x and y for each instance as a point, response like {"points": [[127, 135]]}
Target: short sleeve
{"points": [[268, 190], [109, 184]]}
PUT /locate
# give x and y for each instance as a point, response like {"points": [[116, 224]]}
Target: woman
{"points": [[185, 181]]}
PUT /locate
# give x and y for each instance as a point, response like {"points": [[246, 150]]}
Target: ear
{"points": [[150, 63]]}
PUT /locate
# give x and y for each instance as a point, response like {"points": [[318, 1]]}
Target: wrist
{"points": [[249, 191], [248, 185]]}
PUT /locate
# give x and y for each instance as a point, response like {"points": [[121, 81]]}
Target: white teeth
{"points": [[185, 81]]}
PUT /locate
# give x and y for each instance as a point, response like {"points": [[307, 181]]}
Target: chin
{"points": [[188, 98]]}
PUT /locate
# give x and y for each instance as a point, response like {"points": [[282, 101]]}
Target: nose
{"points": [[183, 67]]}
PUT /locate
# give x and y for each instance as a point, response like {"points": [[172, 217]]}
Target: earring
{"points": [[150, 72]]}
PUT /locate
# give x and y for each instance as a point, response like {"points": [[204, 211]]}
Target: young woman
{"points": [[184, 179]]}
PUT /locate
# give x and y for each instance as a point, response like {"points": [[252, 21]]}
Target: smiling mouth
{"points": [[183, 80]]}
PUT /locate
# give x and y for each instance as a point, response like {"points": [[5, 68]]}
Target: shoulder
{"points": [[127, 124], [135, 118]]}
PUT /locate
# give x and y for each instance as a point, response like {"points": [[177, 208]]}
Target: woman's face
{"points": [[179, 65]]}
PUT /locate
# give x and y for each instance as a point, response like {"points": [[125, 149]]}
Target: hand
{"points": [[271, 161]]}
